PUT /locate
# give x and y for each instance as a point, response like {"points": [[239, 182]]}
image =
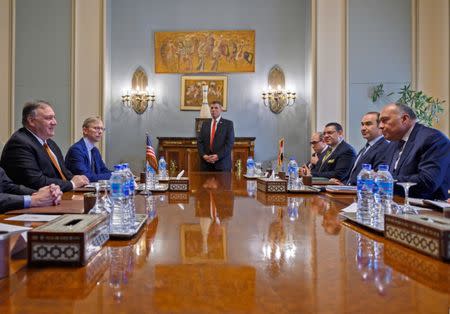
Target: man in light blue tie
{"points": [[84, 157]]}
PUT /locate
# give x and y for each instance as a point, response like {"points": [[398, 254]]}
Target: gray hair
{"points": [[30, 107], [404, 108]]}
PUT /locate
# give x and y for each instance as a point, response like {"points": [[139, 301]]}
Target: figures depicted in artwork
{"points": [[215, 51]]}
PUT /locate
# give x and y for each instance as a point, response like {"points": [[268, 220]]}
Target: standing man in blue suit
{"points": [[338, 161], [374, 152], [216, 141], [83, 157], [416, 153]]}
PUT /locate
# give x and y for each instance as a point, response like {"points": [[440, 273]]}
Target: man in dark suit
{"points": [[338, 161], [83, 157], [31, 158], [416, 153], [320, 149], [215, 141], [13, 196], [374, 152]]}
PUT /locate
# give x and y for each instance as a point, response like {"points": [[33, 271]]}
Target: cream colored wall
{"points": [[331, 45], [432, 53], [87, 62], [5, 69]]}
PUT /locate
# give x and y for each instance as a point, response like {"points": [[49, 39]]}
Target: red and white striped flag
{"points": [[150, 154]]}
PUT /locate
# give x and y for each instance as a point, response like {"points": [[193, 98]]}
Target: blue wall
{"points": [[282, 37], [379, 51]]}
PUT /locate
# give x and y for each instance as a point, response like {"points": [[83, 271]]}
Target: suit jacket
{"points": [[338, 164], [320, 156], [425, 160], [11, 195], [222, 145], [26, 162], [77, 161], [375, 156]]}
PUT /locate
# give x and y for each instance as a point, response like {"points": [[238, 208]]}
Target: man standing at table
{"points": [[31, 158], [215, 141], [13, 196], [417, 153], [83, 157]]}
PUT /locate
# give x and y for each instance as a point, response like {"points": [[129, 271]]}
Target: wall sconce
{"points": [[279, 98], [139, 97]]}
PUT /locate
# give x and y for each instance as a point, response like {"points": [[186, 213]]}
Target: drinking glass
{"points": [[407, 208], [258, 169]]}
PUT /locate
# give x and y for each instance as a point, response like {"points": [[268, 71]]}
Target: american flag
{"points": [[150, 154], [280, 153]]}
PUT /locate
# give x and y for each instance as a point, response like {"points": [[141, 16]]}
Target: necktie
{"points": [[396, 156], [327, 154], [213, 132], [93, 159], [54, 161], [360, 154]]}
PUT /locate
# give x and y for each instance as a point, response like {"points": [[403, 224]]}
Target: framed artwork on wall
{"points": [[205, 51], [192, 94]]}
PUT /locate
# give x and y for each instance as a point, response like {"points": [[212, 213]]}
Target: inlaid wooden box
{"points": [[181, 185], [68, 240], [269, 185], [427, 234]]}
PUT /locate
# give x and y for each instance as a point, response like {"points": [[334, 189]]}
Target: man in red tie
{"points": [[215, 141], [32, 158]]}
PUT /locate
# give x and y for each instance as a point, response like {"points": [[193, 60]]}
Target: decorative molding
{"points": [[414, 41], [313, 74]]}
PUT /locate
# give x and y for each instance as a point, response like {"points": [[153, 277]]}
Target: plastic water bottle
{"points": [[384, 192], [365, 183], [292, 173], [129, 179], [162, 168], [250, 166], [150, 178], [119, 221]]}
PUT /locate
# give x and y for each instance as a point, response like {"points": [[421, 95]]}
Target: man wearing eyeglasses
{"points": [[320, 148], [84, 157], [338, 161]]}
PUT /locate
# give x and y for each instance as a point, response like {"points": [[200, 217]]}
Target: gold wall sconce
{"points": [[139, 97], [279, 98]]}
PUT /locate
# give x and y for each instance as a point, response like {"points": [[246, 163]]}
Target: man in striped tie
{"points": [[32, 158]]}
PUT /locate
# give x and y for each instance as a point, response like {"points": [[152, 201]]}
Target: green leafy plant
{"points": [[426, 107]]}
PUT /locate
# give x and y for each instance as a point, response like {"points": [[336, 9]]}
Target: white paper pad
{"points": [[351, 209], [33, 217], [12, 228]]}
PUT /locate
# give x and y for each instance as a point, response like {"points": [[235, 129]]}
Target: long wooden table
{"points": [[254, 253]]}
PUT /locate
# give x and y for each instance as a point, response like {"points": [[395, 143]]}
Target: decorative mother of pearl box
{"points": [[269, 185], [68, 240], [181, 184]]}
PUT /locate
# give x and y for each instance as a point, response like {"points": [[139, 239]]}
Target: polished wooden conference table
{"points": [[224, 248]]}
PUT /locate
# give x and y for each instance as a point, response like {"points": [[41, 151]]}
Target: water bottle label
{"points": [[116, 189], [385, 188], [131, 186], [365, 185]]}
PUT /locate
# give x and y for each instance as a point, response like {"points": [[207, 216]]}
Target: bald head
{"points": [[395, 120]]}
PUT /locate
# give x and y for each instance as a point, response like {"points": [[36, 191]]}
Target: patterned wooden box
{"points": [[423, 233], [270, 199], [181, 185], [178, 198], [68, 240], [269, 185]]}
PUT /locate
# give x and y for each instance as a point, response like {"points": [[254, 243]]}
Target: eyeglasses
{"points": [[313, 142], [98, 128]]}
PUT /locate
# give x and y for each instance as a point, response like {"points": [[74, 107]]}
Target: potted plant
{"points": [[426, 107]]}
